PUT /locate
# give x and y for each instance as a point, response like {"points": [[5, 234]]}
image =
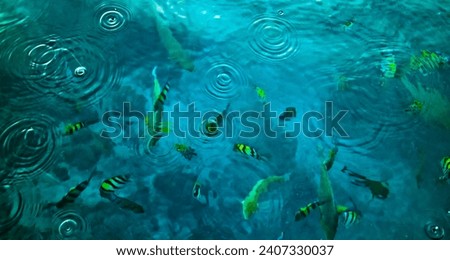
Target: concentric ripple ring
{"points": [[273, 38], [28, 146], [224, 80], [12, 208], [68, 224], [77, 70], [113, 17]]}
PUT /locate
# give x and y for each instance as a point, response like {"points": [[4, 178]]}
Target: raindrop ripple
{"points": [[12, 208], [68, 224], [273, 38], [112, 17], [76, 70], [224, 80], [29, 146]]}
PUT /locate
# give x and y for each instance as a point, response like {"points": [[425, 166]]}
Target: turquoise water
{"points": [[64, 62]]}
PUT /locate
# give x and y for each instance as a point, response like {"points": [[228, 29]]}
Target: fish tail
{"points": [[154, 139], [60, 204], [263, 158], [91, 121], [154, 72]]}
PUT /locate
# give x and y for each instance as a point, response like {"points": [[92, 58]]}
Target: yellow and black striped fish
{"points": [[109, 186], [74, 192], [72, 128], [303, 212], [159, 103], [247, 150], [349, 217], [445, 164]]}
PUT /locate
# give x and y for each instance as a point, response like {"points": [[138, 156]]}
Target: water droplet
{"points": [[280, 12], [112, 18], [79, 71], [434, 231]]}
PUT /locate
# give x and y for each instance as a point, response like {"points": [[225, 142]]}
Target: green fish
{"points": [[154, 123], [261, 94], [185, 150], [349, 218], [109, 186], [70, 129], [329, 217], [445, 164], [247, 150]]}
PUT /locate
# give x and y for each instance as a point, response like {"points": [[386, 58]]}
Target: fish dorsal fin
{"points": [[341, 208]]}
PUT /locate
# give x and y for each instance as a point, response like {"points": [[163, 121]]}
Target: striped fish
{"points": [[445, 164], [303, 212], [247, 150], [109, 186], [159, 103], [74, 192], [349, 217], [72, 128], [155, 124]]}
